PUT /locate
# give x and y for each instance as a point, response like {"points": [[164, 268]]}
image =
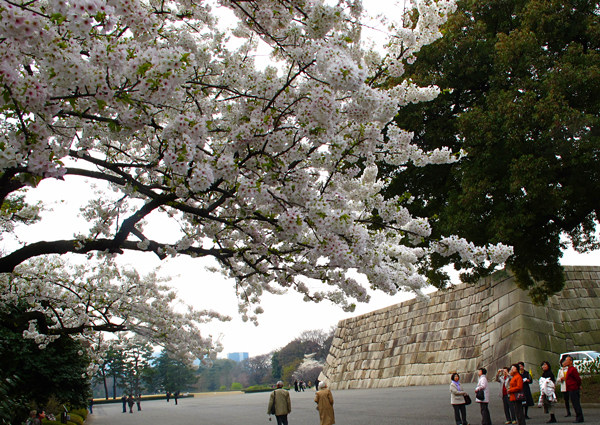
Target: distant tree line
{"points": [[282, 364]]}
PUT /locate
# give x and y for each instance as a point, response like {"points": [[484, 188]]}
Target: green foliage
{"points": [[236, 386], [172, 375], [9, 405], [58, 370], [258, 389], [75, 418], [520, 84], [222, 388], [218, 374], [289, 370], [276, 368], [81, 412]]}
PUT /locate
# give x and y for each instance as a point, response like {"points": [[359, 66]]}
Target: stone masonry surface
{"points": [[491, 324]]}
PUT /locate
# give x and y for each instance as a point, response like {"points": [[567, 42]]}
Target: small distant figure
{"points": [[33, 418], [457, 400], [296, 385], [176, 396], [573, 381], [547, 391], [324, 400], [302, 385], [516, 386], [124, 400], [563, 386], [309, 384], [91, 404], [131, 403], [138, 400], [317, 385], [168, 396], [503, 376], [280, 404], [482, 385], [526, 381]]}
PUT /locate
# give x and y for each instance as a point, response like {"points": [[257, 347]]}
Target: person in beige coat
{"points": [[283, 404], [324, 401]]}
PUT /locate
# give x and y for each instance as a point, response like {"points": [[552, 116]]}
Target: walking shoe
{"points": [[514, 422]]}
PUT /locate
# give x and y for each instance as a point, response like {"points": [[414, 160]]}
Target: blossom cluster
{"points": [[271, 171], [100, 297]]}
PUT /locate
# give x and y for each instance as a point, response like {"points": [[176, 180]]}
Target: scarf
{"points": [[457, 385], [549, 374]]}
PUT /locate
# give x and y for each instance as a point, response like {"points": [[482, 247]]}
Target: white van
{"points": [[581, 357]]}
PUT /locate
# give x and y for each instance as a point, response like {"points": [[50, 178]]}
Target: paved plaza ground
{"points": [[428, 405]]}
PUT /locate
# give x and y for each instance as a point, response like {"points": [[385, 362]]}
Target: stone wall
{"points": [[491, 324]]}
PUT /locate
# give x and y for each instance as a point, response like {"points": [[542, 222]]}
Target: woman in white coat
{"points": [[457, 399], [482, 385]]}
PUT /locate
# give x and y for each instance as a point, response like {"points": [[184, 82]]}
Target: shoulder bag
{"points": [[467, 399]]}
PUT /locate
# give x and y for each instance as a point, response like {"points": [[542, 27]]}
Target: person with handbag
{"points": [[503, 376], [482, 396], [280, 404], [547, 391], [458, 399], [517, 396], [527, 379]]}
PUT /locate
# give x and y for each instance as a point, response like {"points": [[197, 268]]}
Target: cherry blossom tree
{"points": [[271, 171]]}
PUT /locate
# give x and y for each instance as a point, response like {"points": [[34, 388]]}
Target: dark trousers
{"points": [[519, 411], [460, 410], [574, 396], [566, 397], [139, 406], [509, 409], [281, 419], [485, 414], [124, 407]]}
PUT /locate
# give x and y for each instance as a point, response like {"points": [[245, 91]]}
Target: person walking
{"points": [[131, 403], [296, 385], [124, 400], [138, 401], [573, 381], [503, 376], [516, 387], [563, 386], [91, 404], [457, 399], [526, 381], [547, 391], [482, 385], [168, 396], [324, 400], [176, 396], [280, 404]]}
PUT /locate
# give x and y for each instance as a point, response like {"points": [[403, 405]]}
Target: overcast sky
{"points": [[285, 316]]}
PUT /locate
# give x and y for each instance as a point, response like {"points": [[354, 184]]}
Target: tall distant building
{"points": [[238, 357]]}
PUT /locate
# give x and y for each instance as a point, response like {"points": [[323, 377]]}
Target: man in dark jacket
{"points": [[280, 403], [573, 381]]}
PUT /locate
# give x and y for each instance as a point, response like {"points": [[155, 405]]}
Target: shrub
{"points": [[236, 386], [81, 412], [222, 388], [75, 418]]}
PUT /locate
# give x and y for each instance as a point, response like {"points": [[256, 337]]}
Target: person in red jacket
{"points": [[516, 386], [573, 381]]}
